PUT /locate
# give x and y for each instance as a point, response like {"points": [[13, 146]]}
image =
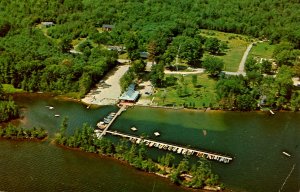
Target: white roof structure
{"points": [[47, 23], [130, 94]]}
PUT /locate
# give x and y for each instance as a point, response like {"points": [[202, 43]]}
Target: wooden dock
{"points": [[168, 147], [103, 132]]}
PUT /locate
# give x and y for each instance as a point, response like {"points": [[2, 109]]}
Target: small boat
{"points": [[286, 154], [179, 150], [101, 125], [156, 134], [107, 122], [50, 107], [56, 115], [133, 129], [107, 119]]}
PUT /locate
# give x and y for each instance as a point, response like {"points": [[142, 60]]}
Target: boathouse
{"points": [[130, 95]]}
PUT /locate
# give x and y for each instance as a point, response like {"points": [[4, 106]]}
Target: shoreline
{"points": [[127, 164], [24, 139], [94, 105]]}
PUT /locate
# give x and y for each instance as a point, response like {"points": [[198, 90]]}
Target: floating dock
{"points": [[169, 147]]}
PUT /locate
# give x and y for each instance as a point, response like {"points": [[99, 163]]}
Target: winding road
{"points": [[241, 69]]}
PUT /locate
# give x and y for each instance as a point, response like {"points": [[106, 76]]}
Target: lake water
{"points": [[255, 140]]}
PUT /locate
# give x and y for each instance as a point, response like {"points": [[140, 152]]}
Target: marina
{"points": [[106, 120], [168, 147]]}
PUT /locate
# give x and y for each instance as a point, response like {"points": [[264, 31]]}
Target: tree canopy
{"points": [[213, 65]]}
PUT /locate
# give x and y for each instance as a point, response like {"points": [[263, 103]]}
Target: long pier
{"points": [[168, 147], [103, 132]]}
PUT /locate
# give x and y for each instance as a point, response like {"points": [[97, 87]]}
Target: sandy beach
{"points": [[108, 90]]}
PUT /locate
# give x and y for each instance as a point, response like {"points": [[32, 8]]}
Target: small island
{"points": [[19, 133], [198, 176]]}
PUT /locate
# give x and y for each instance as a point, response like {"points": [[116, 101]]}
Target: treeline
{"points": [[13, 132], [8, 108], [195, 176]]}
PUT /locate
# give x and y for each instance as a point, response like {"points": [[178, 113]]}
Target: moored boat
{"points": [[286, 154]]}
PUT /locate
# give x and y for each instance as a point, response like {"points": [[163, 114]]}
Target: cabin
{"points": [[47, 24], [144, 55], [263, 100], [130, 95], [106, 27], [116, 48]]}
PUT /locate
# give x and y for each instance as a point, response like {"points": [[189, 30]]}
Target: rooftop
{"points": [[108, 26], [130, 95], [47, 23]]}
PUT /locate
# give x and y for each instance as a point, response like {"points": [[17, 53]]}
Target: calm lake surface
{"points": [[255, 140]]}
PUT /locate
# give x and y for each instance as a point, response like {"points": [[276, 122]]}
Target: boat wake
{"points": [[287, 178]]}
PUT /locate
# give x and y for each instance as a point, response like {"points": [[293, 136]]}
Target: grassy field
{"points": [[237, 45], [8, 88], [202, 95], [262, 50]]}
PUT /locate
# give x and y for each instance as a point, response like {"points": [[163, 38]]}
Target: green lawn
{"points": [[237, 45], [203, 95], [8, 88], [262, 50]]}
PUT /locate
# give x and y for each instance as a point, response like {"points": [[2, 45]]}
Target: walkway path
{"points": [[108, 91], [241, 69], [195, 71], [243, 61]]}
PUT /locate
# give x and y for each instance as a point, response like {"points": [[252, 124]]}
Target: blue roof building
{"points": [[130, 95]]}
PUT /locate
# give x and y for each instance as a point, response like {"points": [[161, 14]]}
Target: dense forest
{"points": [[38, 58]]}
